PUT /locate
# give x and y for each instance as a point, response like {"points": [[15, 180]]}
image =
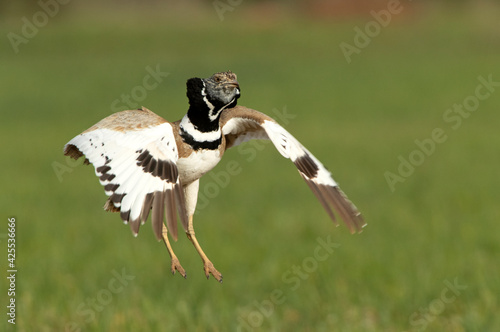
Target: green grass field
{"points": [[428, 259]]}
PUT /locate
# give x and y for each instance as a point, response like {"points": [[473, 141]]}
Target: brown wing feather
{"points": [[129, 120], [249, 128]]}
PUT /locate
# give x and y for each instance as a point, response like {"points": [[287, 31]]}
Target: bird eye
{"points": [[217, 79]]}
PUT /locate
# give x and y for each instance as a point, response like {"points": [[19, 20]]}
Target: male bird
{"points": [[146, 163]]}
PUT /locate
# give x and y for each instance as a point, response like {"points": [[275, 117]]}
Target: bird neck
{"points": [[204, 118], [199, 131], [202, 113], [200, 126]]}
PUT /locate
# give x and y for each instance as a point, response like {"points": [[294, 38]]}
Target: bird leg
{"points": [[207, 264], [175, 262]]}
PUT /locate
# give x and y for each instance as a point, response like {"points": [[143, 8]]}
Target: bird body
{"points": [[147, 164], [197, 164]]}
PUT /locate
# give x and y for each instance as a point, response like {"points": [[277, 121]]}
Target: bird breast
{"points": [[196, 164]]}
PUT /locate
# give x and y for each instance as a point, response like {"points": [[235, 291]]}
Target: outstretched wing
{"points": [[134, 154], [241, 124]]}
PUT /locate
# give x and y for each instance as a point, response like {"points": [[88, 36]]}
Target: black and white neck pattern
{"points": [[199, 139], [200, 126]]}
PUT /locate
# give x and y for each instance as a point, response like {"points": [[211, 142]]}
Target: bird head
{"points": [[221, 90]]}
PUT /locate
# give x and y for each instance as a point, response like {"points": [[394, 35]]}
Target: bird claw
{"points": [[210, 269], [176, 265]]}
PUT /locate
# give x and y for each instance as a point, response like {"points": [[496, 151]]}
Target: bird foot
{"points": [[177, 266], [210, 269]]}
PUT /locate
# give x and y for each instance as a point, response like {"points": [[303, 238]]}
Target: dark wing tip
{"points": [[181, 205], [158, 213], [134, 226], [72, 151], [171, 213], [110, 206], [333, 196], [346, 209]]}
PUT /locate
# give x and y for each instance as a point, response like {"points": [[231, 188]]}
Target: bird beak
{"points": [[233, 83]]}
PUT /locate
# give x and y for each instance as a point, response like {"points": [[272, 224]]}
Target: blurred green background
{"points": [[428, 259]]}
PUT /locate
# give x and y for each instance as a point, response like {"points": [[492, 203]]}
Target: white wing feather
{"points": [[131, 166]]}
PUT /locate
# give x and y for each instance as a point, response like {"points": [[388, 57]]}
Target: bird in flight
{"points": [[147, 164]]}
